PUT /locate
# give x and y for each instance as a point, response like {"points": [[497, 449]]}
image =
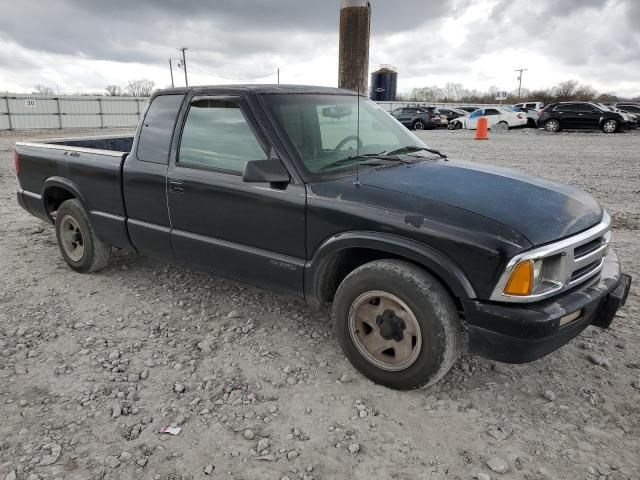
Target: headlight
{"points": [[534, 276]]}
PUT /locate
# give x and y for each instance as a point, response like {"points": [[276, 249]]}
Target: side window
{"points": [[157, 129], [216, 135], [492, 111], [531, 106], [570, 107], [476, 114]]}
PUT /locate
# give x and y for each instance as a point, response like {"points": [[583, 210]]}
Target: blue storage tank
{"points": [[384, 83]]}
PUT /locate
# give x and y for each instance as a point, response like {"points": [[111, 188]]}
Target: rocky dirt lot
{"points": [[92, 366]]}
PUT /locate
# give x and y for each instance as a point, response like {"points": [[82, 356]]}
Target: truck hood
{"points": [[541, 210]]}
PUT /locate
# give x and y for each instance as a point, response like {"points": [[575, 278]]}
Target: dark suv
{"points": [[582, 115], [418, 118]]}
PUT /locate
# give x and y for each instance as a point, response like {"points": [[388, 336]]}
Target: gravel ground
{"points": [[92, 366]]}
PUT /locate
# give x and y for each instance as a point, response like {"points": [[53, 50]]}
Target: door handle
{"points": [[175, 186]]}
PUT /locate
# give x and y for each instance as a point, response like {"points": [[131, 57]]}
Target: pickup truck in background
{"points": [[322, 194]]}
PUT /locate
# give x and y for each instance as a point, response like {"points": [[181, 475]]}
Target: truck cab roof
{"points": [[257, 89]]}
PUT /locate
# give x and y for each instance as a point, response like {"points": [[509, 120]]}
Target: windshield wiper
{"points": [[344, 161], [412, 148]]}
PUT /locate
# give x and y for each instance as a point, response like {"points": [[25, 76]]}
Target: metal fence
{"points": [[31, 112]]}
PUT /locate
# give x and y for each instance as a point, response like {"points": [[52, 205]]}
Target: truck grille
{"points": [[587, 257]]}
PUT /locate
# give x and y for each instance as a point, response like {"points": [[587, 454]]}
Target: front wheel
{"points": [[610, 126], [80, 248], [552, 125], [418, 125], [397, 324]]}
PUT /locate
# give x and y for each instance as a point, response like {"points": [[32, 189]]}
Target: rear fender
{"points": [[65, 184]]}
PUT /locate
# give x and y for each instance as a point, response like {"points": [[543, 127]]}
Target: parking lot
{"points": [[92, 366]]}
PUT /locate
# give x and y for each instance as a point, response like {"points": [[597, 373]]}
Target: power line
{"points": [[275, 72]]}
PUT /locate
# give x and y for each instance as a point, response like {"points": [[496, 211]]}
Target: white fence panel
{"points": [[27, 112]]}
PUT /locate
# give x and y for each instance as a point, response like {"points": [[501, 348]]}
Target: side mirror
{"points": [[267, 171]]}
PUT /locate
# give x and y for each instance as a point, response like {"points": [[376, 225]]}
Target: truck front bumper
{"points": [[520, 333]]}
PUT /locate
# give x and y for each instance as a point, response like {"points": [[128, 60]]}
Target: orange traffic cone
{"points": [[482, 129]]}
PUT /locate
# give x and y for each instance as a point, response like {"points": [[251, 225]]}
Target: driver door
{"points": [[250, 231]]}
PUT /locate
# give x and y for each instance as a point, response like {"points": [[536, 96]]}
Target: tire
{"points": [[80, 247], [610, 126], [503, 122], [396, 298], [419, 125], [552, 125]]}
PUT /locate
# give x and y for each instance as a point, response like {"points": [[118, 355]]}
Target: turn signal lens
{"points": [[521, 280]]}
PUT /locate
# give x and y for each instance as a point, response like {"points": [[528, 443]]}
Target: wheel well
{"points": [[346, 261], [54, 196]]}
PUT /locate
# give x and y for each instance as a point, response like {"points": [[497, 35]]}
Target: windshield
{"points": [[324, 130]]}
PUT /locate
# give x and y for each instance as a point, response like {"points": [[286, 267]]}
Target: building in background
{"points": [[384, 83], [353, 67]]}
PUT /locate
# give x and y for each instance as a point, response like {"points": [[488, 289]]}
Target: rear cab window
{"points": [[154, 141]]}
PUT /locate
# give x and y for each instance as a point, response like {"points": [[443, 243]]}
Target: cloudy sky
{"points": [[84, 45]]}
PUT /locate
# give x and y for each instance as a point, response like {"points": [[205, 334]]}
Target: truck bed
{"points": [[89, 167]]}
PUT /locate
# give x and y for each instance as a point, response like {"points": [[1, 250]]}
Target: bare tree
{"points": [[565, 90], [453, 91], [425, 94], [140, 88], [43, 90], [114, 90]]}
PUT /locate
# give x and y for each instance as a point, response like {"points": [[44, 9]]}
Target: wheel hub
{"points": [[391, 326], [385, 330]]}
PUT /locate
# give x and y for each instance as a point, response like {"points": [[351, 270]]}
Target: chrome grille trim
{"points": [[569, 263]]}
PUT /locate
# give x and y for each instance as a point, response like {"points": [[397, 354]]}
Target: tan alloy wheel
{"points": [[71, 238], [384, 330]]}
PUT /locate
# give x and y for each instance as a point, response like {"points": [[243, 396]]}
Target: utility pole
{"points": [[184, 65], [278, 75], [520, 70], [171, 70]]}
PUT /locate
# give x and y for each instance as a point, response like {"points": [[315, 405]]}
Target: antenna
{"points": [[357, 182]]}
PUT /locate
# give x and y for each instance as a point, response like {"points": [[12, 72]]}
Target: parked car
{"points": [[537, 106], [630, 107], [495, 115], [272, 185], [581, 115], [418, 118], [630, 118], [447, 114], [532, 115]]}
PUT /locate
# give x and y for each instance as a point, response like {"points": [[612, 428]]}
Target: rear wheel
{"points": [[504, 124], [397, 324], [80, 248], [552, 125], [610, 126], [418, 125]]}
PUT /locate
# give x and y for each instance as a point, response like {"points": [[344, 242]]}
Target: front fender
{"points": [[442, 266]]}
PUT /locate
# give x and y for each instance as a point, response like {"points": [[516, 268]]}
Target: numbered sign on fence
{"points": [[501, 96], [30, 103]]}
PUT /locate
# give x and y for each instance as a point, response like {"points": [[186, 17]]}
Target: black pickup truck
{"points": [[321, 194]]}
